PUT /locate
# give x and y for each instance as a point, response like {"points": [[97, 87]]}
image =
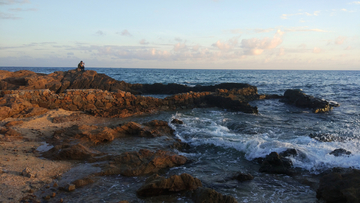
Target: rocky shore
{"points": [[51, 123]]}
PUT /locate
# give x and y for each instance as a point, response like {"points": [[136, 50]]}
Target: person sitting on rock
{"points": [[81, 66]]}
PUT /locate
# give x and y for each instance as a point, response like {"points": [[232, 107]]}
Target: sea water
{"points": [[225, 142]]}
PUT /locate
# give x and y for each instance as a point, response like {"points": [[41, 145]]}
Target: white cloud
{"points": [[304, 29], [340, 40], [286, 16], [124, 33], [281, 52], [355, 2], [144, 42], [317, 50], [257, 46], [179, 47], [263, 30], [225, 46], [9, 2]]}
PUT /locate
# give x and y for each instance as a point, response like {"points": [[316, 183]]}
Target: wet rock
{"points": [[202, 195], [288, 152], [151, 129], [242, 177], [177, 121], [28, 173], [323, 137], [230, 103], [142, 162], [340, 152], [83, 182], [180, 145], [340, 187], [300, 99], [68, 187], [273, 163], [70, 152], [162, 185]]}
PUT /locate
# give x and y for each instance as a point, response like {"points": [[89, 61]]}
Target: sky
{"points": [[186, 34]]}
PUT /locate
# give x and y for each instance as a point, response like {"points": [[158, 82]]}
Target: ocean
{"points": [[225, 142]]}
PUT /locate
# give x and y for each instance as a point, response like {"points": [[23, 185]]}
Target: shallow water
{"points": [[224, 142]]}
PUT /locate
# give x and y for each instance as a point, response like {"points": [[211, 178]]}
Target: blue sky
{"points": [[198, 34]]}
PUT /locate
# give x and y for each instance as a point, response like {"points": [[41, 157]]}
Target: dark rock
{"points": [[153, 128], [300, 99], [340, 152], [82, 182], [177, 121], [70, 151], [273, 163], [162, 185], [288, 152], [340, 187], [243, 177], [322, 137], [207, 195], [141, 163]]}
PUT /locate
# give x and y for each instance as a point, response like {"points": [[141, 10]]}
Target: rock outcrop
{"points": [[300, 99], [160, 185], [340, 187], [274, 163], [141, 163], [202, 195]]}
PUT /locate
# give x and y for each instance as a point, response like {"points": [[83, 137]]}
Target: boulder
{"points": [[142, 162], [177, 121], [153, 128], [340, 152], [82, 182], [340, 187], [207, 195], [162, 185], [70, 152], [242, 177], [274, 163], [300, 99]]}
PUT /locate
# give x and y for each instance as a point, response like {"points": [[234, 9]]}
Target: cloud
{"points": [[286, 16], [304, 29], [144, 42], [225, 46], [345, 10], [340, 40], [302, 46], [10, 2], [281, 52], [100, 33], [178, 39], [179, 47], [355, 2], [263, 30], [20, 9], [257, 46], [348, 48], [316, 50], [124, 33], [8, 16]]}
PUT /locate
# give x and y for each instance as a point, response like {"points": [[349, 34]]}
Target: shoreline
{"points": [[32, 120]]}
